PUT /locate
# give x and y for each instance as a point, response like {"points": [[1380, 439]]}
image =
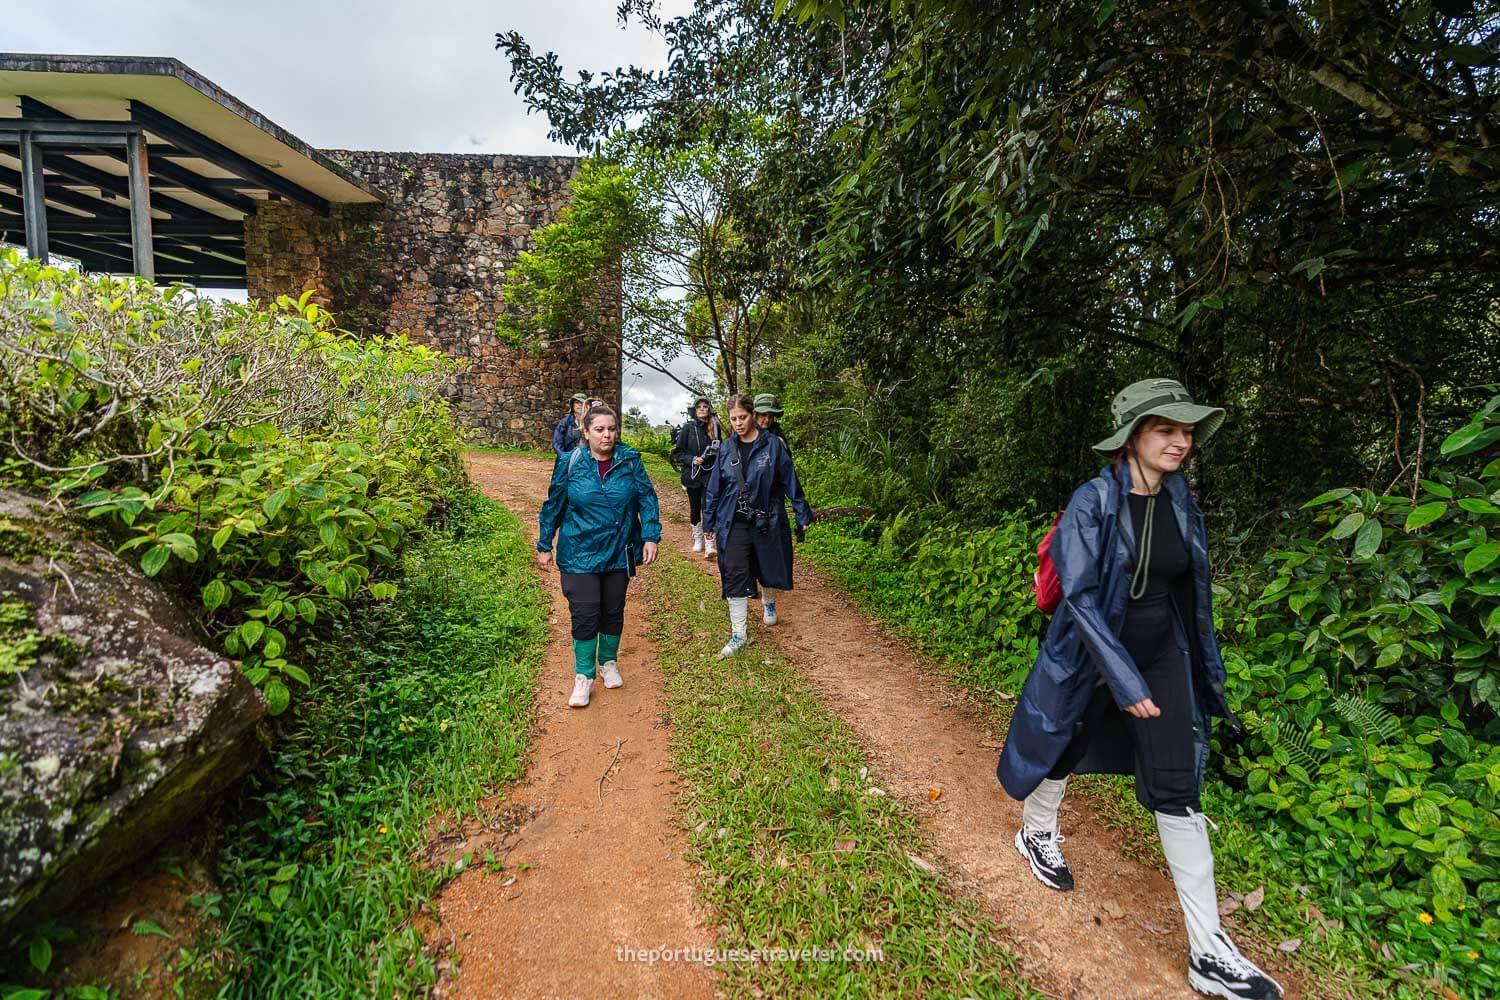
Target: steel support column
{"points": [[33, 199], [140, 205]]}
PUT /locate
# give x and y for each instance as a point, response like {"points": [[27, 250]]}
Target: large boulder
{"points": [[117, 725]]}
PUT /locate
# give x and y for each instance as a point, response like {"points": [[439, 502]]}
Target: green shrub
{"points": [[256, 457], [652, 441], [1364, 660]]}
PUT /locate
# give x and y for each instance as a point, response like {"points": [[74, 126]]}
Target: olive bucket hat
{"points": [[765, 402], [1157, 397]]}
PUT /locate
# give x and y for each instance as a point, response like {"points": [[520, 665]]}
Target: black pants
{"points": [[737, 566], [596, 602], [1165, 748], [695, 504]]}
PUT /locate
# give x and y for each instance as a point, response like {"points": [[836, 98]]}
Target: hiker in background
{"points": [[603, 510], [767, 416], [693, 452], [745, 506], [1130, 673], [570, 428]]}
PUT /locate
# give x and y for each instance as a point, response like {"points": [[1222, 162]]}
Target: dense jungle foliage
{"points": [[968, 224]]}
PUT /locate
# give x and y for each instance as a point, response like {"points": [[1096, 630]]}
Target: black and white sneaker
{"points": [[1227, 973], [1045, 857]]}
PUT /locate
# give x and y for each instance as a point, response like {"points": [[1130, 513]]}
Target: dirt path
{"points": [[1119, 935], [603, 859]]}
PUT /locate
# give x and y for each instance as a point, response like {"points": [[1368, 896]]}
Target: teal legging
{"points": [[607, 647]]}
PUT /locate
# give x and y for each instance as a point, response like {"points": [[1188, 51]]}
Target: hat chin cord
{"points": [[1141, 577]]}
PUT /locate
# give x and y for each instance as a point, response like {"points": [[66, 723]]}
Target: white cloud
{"points": [[384, 74]]}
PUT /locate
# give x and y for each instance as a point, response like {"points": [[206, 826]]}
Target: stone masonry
{"points": [[430, 263]]}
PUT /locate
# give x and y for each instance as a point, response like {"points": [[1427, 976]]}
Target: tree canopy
{"points": [[1004, 212]]}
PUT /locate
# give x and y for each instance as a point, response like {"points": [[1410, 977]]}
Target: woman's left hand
{"points": [[648, 554]]}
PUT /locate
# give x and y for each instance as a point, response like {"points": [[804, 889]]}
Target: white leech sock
{"points": [[1039, 810], [1184, 841], [768, 596], [739, 609]]}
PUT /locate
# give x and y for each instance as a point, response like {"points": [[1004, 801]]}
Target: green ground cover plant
{"points": [[418, 711], [797, 847], [1360, 653], [255, 458]]}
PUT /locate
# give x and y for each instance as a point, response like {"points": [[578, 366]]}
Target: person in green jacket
{"points": [[603, 510]]}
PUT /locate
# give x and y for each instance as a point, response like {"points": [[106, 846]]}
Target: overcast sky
{"points": [[381, 74]]}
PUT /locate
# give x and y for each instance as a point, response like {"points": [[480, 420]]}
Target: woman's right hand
{"points": [[544, 561], [697, 459], [1145, 709]]}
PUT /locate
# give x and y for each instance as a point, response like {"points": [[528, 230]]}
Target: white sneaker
{"points": [[581, 687], [709, 548], [610, 674], [768, 614], [697, 539], [734, 645]]}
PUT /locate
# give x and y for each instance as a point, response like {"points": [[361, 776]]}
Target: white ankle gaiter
{"points": [[738, 612]]}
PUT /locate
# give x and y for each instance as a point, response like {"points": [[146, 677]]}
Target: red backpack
{"points": [[1045, 582]]}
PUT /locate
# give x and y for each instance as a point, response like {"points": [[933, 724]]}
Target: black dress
{"points": [[1165, 749]]}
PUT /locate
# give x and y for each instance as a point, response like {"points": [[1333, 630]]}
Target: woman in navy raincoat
{"points": [[604, 512], [569, 429], [745, 508], [1130, 674]]}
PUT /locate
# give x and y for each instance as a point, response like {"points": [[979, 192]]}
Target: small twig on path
{"points": [[563, 750], [615, 760]]}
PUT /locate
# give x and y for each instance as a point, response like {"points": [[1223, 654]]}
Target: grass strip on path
{"points": [[419, 710], [799, 847]]}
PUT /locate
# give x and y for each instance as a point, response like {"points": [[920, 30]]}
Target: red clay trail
{"points": [[610, 871]]}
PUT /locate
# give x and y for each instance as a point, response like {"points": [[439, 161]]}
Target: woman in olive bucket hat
{"points": [[1130, 674], [767, 415]]}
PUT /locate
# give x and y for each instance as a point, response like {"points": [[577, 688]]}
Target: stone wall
{"points": [[430, 263]]}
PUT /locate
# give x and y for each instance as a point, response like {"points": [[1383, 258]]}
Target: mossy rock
{"points": [[117, 727]]}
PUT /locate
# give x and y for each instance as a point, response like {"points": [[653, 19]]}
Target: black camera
{"points": [[761, 521]]}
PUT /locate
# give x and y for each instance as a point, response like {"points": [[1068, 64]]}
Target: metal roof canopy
{"points": [[141, 165]]}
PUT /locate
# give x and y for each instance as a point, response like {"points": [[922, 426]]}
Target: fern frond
{"points": [[1291, 740], [1370, 720]]}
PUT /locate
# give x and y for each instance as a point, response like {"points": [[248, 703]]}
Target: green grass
{"points": [[420, 711], [795, 851], [1248, 856]]}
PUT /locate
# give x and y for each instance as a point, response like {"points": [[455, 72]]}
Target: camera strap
{"points": [[737, 464]]}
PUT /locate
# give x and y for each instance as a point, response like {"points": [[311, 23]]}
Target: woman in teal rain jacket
{"points": [[603, 511]]}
